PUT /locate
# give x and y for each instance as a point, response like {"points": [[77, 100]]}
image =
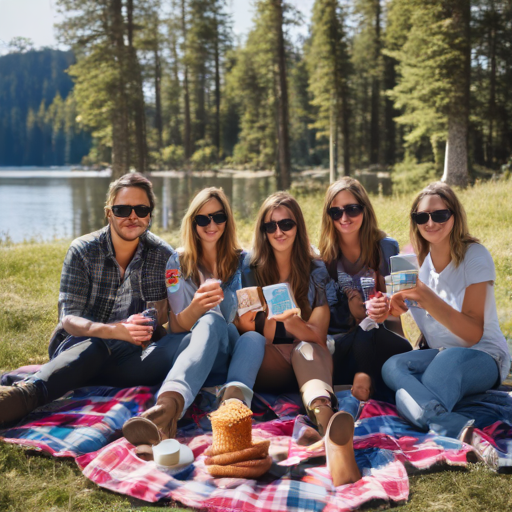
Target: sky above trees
{"points": [[34, 19]]}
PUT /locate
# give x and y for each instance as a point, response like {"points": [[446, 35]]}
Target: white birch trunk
{"points": [[456, 155]]}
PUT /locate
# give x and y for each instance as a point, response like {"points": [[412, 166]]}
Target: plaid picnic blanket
{"points": [[86, 424]]}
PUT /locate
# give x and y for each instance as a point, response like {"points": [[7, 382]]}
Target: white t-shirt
{"points": [[476, 267]]}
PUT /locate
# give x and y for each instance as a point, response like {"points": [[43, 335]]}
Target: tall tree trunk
{"points": [[332, 141], [375, 102], [158, 97], [216, 135], [492, 89], [390, 112], [284, 178], [456, 159], [186, 95], [141, 149], [120, 131], [345, 129]]}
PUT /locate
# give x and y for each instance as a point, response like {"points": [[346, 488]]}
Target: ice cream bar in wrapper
{"points": [[279, 298], [250, 299]]}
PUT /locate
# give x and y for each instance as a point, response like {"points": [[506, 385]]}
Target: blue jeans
{"points": [[429, 384], [94, 361], [211, 354]]}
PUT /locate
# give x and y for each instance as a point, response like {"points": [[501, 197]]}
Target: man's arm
{"points": [[134, 330], [74, 289]]}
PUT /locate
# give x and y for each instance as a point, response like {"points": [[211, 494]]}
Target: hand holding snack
{"points": [[377, 307], [208, 295]]}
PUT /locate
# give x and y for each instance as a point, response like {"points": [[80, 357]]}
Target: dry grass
{"points": [[29, 282]]}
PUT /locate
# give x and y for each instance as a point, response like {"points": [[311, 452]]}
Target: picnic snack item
{"points": [[152, 315], [232, 427], [279, 298], [250, 299], [233, 453]]}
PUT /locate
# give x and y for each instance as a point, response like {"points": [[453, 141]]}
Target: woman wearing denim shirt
{"points": [[202, 280]]}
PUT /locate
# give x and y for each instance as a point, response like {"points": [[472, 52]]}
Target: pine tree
{"points": [[328, 64], [433, 88]]}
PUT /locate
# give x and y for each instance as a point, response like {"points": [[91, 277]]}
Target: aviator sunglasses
{"points": [[125, 210], [439, 216], [352, 210], [204, 220], [284, 225]]}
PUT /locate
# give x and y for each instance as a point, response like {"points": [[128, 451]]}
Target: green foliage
{"points": [[409, 176], [204, 157], [430, 65], [173, 156]]}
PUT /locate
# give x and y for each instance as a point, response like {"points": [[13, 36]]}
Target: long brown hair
{"points": [[228, 247], [263, 261], [369, 234], [460, 239]]}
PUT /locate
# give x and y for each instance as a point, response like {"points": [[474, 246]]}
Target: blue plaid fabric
{"points": [[91, 286]]}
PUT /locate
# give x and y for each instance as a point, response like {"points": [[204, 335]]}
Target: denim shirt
{"points": [[341, 317], [180, 292]]}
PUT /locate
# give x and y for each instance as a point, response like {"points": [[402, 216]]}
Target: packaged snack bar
{"points": [[250, 299], [279, 298]]}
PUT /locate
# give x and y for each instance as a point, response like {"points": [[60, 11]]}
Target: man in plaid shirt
{"points": [[108, 278]]}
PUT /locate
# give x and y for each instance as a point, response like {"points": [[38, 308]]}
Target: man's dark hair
{"points": [[132, 179]]}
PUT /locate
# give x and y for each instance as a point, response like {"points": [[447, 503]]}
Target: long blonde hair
{"points": [[228, 247], [369, 234], [460, 239], [263, 261]]}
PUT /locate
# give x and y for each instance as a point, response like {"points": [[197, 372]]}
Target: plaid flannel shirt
{"points": [[91, 285]]}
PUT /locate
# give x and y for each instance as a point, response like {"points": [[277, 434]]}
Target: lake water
{"points": [[45, 204]]}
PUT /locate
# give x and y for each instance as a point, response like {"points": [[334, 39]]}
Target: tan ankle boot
{"points": [[322, 412], [339, 449], [157, 423], [17, 401]]}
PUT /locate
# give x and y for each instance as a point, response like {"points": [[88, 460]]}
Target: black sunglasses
{"points": [[125, 210], [439, 216], [352, 210], [204, 220], [284, 225]]}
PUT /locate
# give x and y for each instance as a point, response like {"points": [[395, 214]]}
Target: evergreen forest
{"points": [[165, 84]]}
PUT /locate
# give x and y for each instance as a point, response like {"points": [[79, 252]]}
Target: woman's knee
{"points": [[396, 365]]}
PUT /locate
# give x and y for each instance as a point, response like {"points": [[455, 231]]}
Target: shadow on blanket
{"points": [[86, 425]]}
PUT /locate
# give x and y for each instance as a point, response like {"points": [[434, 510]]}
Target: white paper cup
{"points": [[167, 453]]}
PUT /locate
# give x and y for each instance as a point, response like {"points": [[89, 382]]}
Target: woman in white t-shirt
{"points": [[456, 312]]}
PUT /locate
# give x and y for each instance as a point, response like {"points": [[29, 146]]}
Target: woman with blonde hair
{"points": [[354, 249], [465, 351], [201, 281], [296, 353]]}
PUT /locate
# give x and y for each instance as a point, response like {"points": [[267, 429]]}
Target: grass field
{"points": [[29, 284]]}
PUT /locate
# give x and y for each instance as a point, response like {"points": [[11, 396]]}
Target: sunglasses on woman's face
{"points": [[439, 216], [352, 210], [284, 225], [125, 210], [204, 220]]}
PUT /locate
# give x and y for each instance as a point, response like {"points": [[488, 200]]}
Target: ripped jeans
{"points": [[429, 384]]}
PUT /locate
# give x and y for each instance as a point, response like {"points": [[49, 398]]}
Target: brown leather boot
{"points": [[17, 401], [157, 423], [339, 449]]}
